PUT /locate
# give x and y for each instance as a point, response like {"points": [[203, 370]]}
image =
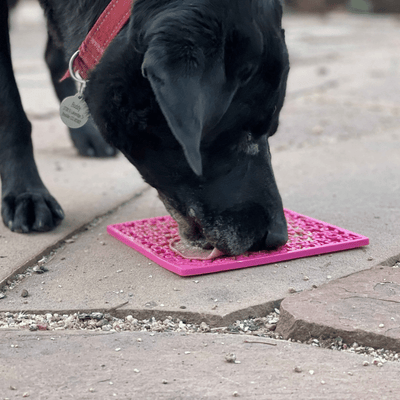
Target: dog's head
{"points": [[190, 92]]}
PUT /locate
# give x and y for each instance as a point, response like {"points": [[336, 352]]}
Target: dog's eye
{"points": [[155, 78], [147, 73], [246, 72]]}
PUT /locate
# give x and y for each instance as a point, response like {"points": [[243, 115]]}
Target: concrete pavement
{"points": [[78, 365], [336, 158]]}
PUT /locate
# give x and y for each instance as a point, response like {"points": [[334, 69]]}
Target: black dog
{"points": [[189, 92]]}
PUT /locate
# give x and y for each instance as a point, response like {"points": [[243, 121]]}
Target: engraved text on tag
{"points": [[74, 111]]}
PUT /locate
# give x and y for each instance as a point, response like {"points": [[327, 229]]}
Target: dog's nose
{"points": [[275, 240], [277, 235]]}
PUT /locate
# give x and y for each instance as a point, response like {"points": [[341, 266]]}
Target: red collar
{"points": [[110, 22]]}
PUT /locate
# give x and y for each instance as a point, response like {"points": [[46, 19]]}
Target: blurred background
{"points": [[322, 6], [358, 6]]}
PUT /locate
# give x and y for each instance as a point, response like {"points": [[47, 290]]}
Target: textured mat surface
{"points": [[158, 238]]}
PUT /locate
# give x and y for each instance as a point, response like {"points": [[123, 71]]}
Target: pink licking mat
{"points": [[156, 238]]}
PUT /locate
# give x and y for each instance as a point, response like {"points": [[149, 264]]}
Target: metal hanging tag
{"points": [[74, 111]]}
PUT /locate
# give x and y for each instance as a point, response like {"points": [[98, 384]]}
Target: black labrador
{"points": [[189, 91]]}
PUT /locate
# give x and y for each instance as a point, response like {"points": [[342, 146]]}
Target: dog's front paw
{"points": [[31, 211], [89, 142]]}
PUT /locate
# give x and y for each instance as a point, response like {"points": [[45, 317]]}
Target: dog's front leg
{"points": [[26, 203]]}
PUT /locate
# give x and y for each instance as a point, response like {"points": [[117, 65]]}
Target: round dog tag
{"points": [[74, 111]]}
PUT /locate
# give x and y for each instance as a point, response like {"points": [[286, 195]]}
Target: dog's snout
{"points": [[271, 233]]}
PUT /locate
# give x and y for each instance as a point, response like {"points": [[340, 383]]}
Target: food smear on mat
{"points": [[185, 250]]}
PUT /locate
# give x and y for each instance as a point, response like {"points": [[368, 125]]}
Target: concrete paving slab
{"points": [[176, 366], [98, 272], [362, 308]]}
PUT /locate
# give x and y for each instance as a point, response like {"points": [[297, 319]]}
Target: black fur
{"points": [[189, 91]]}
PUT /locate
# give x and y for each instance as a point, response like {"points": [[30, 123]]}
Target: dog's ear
{"points": [[192, 104], [179, 102]]}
